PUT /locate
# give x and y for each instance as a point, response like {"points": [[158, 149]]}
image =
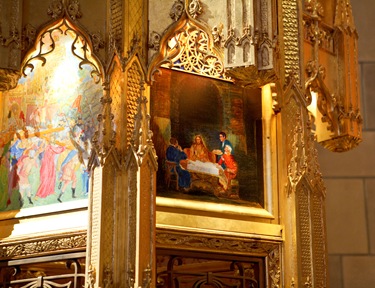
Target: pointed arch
{"points": [[52, 118], [81, 47]]}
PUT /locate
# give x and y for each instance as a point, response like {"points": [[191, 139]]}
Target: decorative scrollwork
{"points": [[43, 246], [80, 48]]}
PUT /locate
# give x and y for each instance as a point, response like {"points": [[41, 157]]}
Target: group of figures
{"points": [[197, 159], [37, 165]]}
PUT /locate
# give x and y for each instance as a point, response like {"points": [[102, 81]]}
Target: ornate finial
{"points": [[55, 9], [195, 8], [177, 10], [74, 10], [315, 8], [97, 41], [344, 15], [154, 42], [217, 33]]}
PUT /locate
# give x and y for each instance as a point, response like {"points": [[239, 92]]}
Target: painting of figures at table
{"points": [[208, 138], [47, 122]]}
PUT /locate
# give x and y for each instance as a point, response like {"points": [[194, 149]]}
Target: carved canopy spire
{"points": [[344, 15]]}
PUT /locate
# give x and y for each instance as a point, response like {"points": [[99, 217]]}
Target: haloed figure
{"points": [[198, 150]]}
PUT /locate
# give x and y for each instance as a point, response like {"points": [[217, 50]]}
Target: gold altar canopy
{"points": [[171, 143]]}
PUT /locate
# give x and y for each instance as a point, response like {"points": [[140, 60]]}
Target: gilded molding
{"points": [[43, 246]]}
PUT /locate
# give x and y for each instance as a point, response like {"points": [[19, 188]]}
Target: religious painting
{"points": [[208, 138], [47, 122]]}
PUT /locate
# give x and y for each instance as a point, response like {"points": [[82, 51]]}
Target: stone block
{"points": [[358, 271], [346, 219], [358, 162]]}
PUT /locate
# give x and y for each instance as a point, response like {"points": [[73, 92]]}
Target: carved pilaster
{"points": [[140, 168]]}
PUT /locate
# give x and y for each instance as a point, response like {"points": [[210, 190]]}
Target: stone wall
{"points": [[350, 178]]}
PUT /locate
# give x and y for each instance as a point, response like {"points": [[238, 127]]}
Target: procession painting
{"points": [[208, 138], [47, 122]]}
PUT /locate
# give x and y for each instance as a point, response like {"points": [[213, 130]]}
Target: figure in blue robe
{"points": [[175, 154]]}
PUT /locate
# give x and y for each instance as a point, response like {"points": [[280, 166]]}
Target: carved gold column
{"points": [[141, 166], [301, 190], [105, 166]]}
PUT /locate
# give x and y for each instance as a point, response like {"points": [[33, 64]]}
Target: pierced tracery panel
{"points": [[116, 92], [189, 49], [133, 91], [192, 47]]}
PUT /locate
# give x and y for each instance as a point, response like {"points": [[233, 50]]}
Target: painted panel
{"points": [[48, 121], [208, 138]]}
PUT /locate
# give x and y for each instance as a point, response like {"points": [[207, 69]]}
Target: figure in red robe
{"points": [[231, 166], [48, 171]]}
